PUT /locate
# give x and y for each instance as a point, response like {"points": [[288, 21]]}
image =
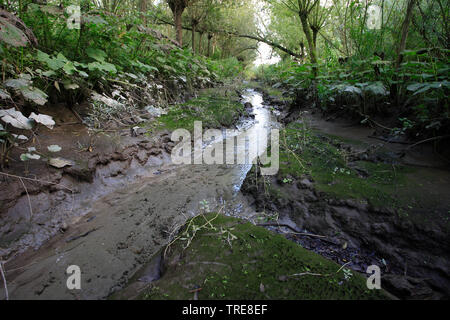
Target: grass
{"points": [[233, 259]]}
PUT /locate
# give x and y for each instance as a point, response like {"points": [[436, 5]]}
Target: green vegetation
{"points": [[116, 58], [226, 258], [216, 108], [304, 152], [367, 59]]}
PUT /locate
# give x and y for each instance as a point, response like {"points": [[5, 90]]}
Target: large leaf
{"points": [[17, 83], [376, 89], [96, 54], [54, 148], [29, 156], [43, 119], [54, 63], [16, 119], [60, 162], [415, 86], [69, 68], [4, 94], [34, 94], [11, 34], [103, 66]]}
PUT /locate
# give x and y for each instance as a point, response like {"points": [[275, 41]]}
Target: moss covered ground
{"points": [[220, 257], [215, 107], [304, 152], [334, 170]]}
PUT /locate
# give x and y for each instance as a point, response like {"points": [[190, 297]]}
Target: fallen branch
{"points": [[308, 274], [269, 224], [36, 180], [427, 140], [28, 197], [70, 239], [388, 140]]}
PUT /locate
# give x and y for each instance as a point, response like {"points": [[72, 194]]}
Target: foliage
{"points": [[364, 88]]}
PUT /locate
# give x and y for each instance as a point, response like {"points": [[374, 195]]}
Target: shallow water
{"points": [[123, 229]]}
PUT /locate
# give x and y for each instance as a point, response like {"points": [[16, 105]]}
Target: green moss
{"points": [[318, 157], [233, 259], [215, 107]]}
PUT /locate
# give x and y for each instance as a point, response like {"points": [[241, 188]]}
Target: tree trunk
{"points": [[302, 52], [309, 38], [315, 32], [200, 36], [404, 35], [193, 37], [209, 43], [143, 10], [179, 30]]}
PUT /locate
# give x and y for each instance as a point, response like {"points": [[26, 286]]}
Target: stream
{"points": [[125, 228], [119, 222]]}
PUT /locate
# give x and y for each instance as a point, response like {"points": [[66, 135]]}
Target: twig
{"points": [[387, 140], [308, 274], [4, 280], [342, 267], [427, 140], [70, 239], [195, 232], [28, 197], [36, 180], [273, 224]]}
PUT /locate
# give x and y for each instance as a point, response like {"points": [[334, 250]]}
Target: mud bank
{"points": [[229, 258], [50, 199], [128, 204], [361, 205]]}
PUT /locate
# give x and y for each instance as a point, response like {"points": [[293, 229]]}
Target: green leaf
{"points": [[53, 63], [105, 66], [49, 73], [17, 83], [69, 68], [54, 148], [34, 94], [12, 35], [415, 86], [16, 119], [69, 85], [4, 94], [96, 54], [83, 74], [29, 156]]}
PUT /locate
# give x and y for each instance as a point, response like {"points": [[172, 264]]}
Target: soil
{"points": [[410, 243], [123, 200]]}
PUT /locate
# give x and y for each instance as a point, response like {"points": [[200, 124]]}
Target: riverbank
{"points": [[371, 205], [120, 218]]}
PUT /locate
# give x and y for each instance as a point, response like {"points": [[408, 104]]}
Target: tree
{"points": [[178, 7], [303, 9], [143, 10], [404, 33]]}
